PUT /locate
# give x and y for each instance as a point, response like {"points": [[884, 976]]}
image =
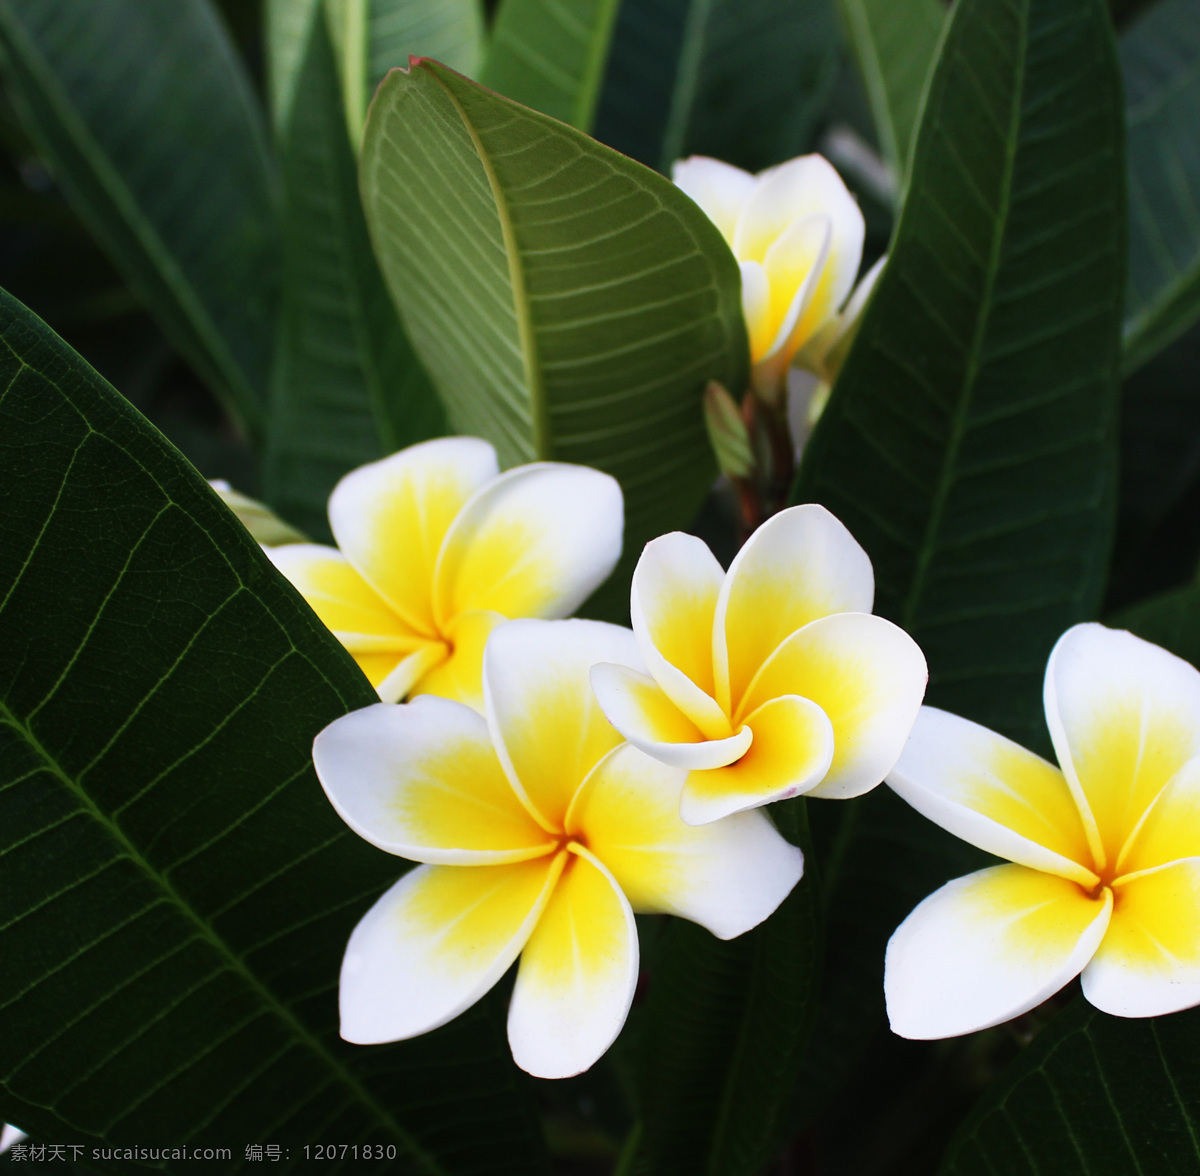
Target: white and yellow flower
{"points": [[797, 234], [542, 832], [1105, 848], [436, 547], [771, 680]]}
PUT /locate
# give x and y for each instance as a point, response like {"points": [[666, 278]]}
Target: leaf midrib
{"points": [[206, 932], [526, 338], [146, 235], [959, 422]]}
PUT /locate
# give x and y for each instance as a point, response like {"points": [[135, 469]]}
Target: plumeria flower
{"points": [[797, 234], [542, 832], [771, 680], [436, 547], [1105, 879]]}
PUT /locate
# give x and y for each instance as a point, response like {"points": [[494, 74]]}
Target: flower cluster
{"points": [[556, 776], [553, 777]]}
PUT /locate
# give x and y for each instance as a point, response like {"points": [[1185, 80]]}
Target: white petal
{"points": [[422, 781], [803, 187], [546, 725], [986, 948], [408, 672], [719, 188], [435, 943], [993, 793], [536, 542], [577, 976], [1149, 962], [9, 1136], [789, 755], [727, 876], [636, 705], [1124, 716], [390, 517], [797, 266], [756, 307], [672, 601], [801, 564], [867, 675]]}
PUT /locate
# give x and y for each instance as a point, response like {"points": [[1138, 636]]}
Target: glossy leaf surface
{"points": [[346, 388], [551, 54], [567, 302], [1093, 1095], [969, 442], [725, 1031], [895, 43], [1160, 60], [148, 121], [741, 80], [175, 890]]}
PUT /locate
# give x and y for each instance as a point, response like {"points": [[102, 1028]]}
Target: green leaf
{"points": [[1158, 523], [725, 1032], [878, 858], [745, 81], [895, 43], [1160, 59], [346, 388], [147, 119], [551, 54], [568, 303], [969, 442], [1092, 1096], [1171, 620], [372, 36], [175, 891]]}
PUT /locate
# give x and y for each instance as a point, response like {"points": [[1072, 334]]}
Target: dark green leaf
{"points": [[550, 54], [1158, 524], [725, 1033], [969, 444], [175, 891], [147, 119], [347, 387], [1092, 1096], [1160, 59], [1171, 620], [741, 80], [878, 858], [372, 36], [895, 43], [568, 303]]}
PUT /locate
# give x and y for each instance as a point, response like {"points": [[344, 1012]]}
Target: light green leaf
{"points": [[1160, 59], [175, 890], [1092, 1096], [147, 119], [895, 43], [568, 303], [725, 1031], [969, 441], [551, 54], [372, 36], [346, 388], [745, 81]]}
